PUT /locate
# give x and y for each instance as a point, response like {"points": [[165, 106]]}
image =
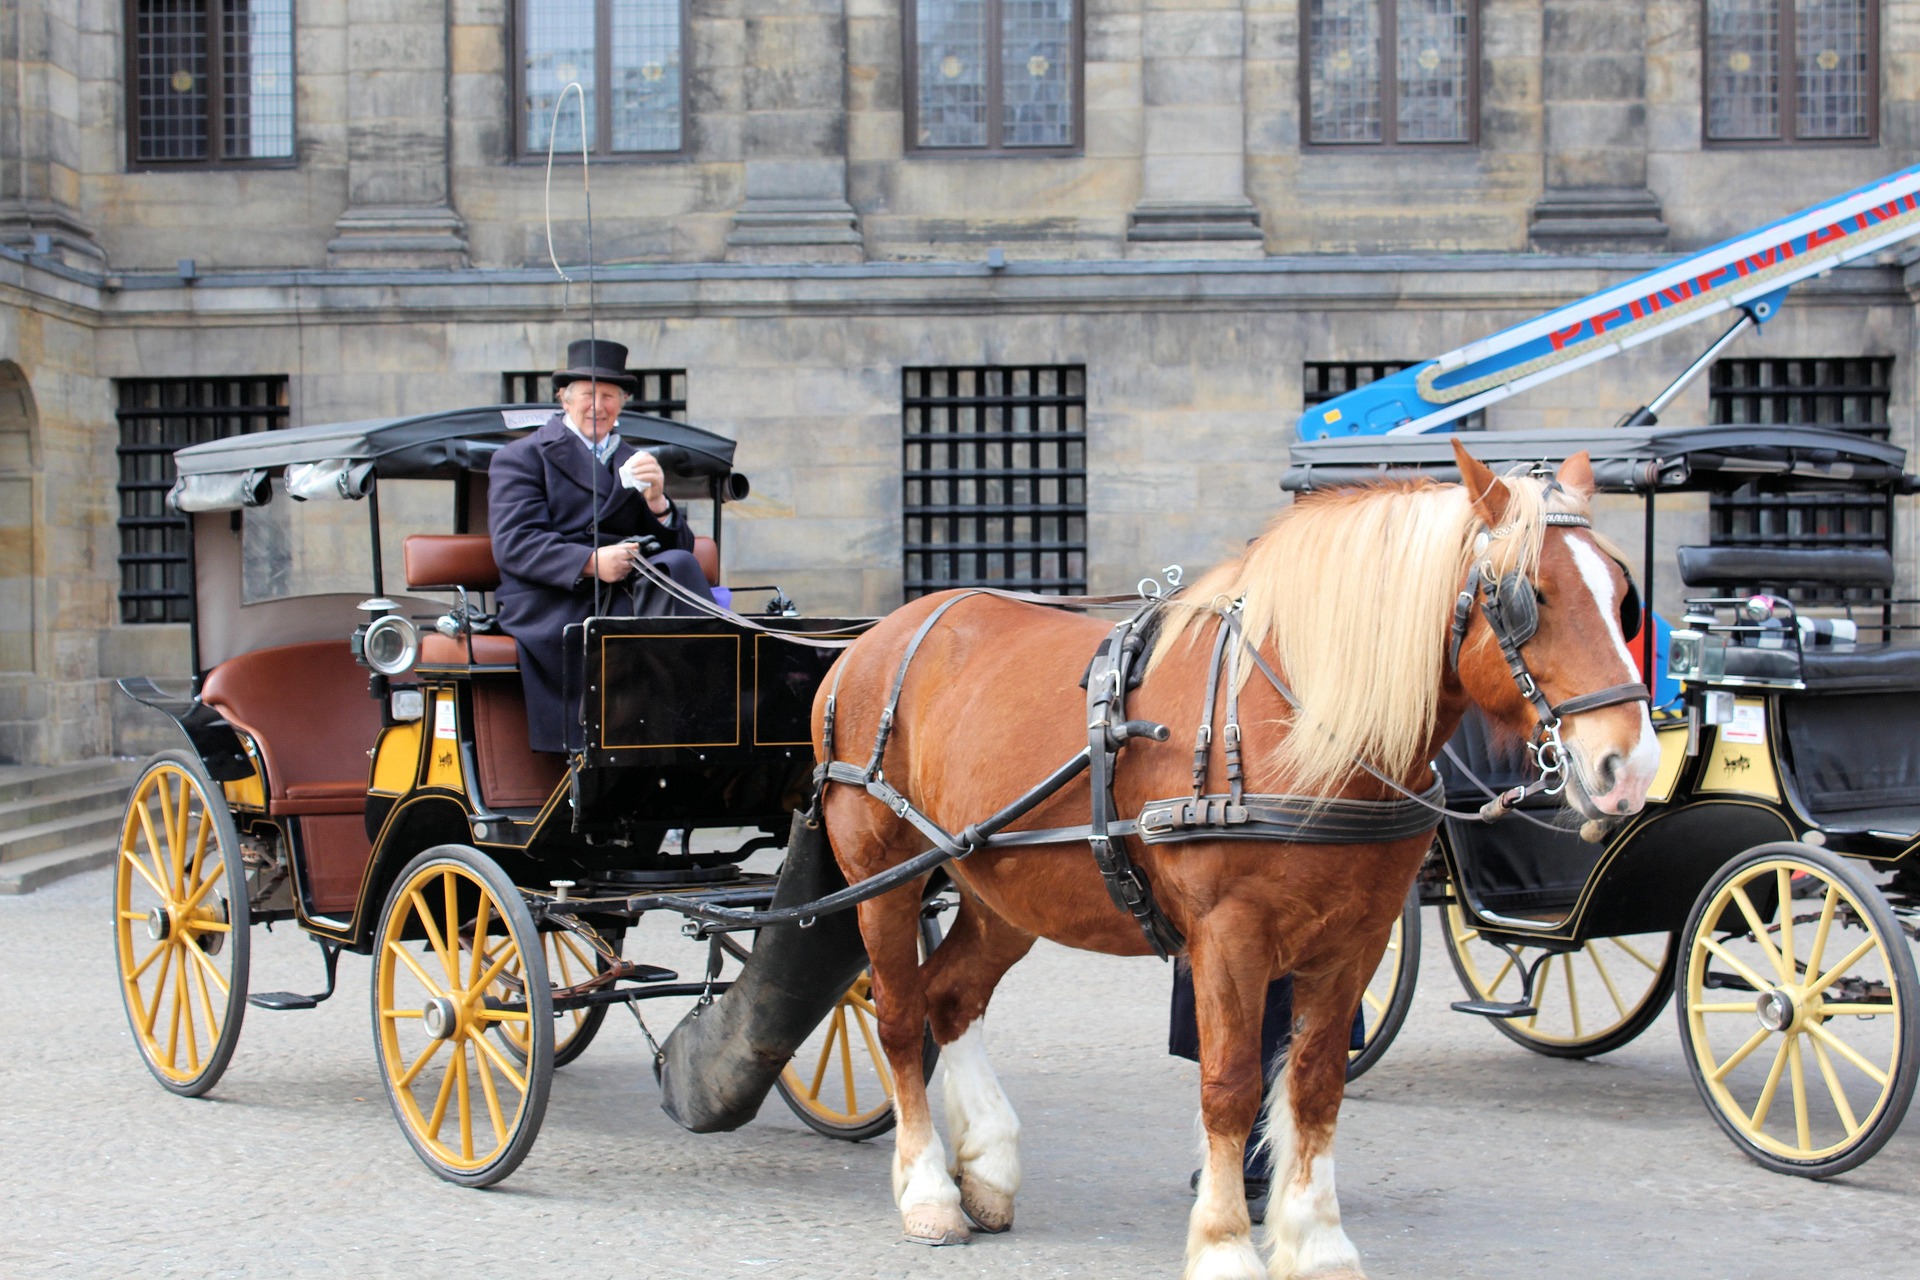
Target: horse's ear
{"points": [[1488, 494], [1576, 476]]}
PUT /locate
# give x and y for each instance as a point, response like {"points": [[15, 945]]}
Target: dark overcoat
{"points": [[540, 511]]}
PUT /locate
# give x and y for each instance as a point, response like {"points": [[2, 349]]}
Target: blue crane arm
{"points": [[1751, 273]]}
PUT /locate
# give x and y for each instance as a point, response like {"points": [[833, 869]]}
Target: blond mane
{"points": [[1351, 593]]}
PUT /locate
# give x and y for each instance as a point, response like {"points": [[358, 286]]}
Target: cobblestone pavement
{"points": [[1461, 1155]]}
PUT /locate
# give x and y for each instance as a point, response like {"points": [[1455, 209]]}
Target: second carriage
{"points": [[1771, 887]]}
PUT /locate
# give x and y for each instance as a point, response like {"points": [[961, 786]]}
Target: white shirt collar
{"points": [[602, 451]]}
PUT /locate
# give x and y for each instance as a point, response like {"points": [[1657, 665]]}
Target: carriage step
{"points": [[1497, 1008], [283, 1000]]}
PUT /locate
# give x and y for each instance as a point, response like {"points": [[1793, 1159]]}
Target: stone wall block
{"points": [[1193, 34], [793, 63], [1195, 130], [794, 133], [1604, 78], [1112, 37], [1191, 81]]}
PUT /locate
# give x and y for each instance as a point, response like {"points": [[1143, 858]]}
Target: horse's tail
{"points": [[716, 1067]]}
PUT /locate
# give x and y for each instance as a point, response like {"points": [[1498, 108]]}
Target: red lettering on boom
{"points": [[1561, 337], [1826, 235]]}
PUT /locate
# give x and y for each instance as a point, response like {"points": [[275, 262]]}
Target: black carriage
{"points": [[1770, 886], [357, 762]]}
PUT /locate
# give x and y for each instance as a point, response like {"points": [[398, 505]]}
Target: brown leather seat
{"points": [[437, 650], [443, 561], [307, 710]]}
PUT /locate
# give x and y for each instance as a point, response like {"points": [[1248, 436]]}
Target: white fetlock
{"points": [[929, 1203], [1231, 1259], [985, 1132]]}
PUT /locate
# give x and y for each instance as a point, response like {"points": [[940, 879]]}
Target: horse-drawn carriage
{"points": [[369, 778], [359, 764], [1770, 886]]}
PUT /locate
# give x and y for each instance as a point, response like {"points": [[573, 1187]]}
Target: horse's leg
{"points": [[1229, 989], [985, 1133], [929, 1202], [1303, 1217]]}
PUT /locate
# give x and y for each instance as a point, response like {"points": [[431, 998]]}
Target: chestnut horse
{"points": [[1350, 597]]}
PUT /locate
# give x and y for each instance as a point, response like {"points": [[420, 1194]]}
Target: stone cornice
{"points": [[1472, 281]]}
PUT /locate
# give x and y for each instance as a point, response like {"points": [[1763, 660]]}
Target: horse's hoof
{"points": [[934, 1226], [987, 1209]]}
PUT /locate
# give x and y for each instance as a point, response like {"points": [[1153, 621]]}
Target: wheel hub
{"points": [[159, 924], [441, 1018], [1775, 1009]]}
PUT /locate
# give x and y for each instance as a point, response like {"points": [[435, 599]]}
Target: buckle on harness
{"points": [[1157, 822]]}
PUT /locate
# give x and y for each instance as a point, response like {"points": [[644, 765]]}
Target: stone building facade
{"points": [[1207, 232]]}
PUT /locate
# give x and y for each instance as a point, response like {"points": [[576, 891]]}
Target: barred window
{"points": [[996, 478], [157, 416], [626, 56], [1851, 394], [212, 81], [1390, 71], [1791, 71], [663, 392], [1322, 380], [994, 75]]}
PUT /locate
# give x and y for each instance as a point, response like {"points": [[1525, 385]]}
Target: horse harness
{"points": [[1510, 603]]}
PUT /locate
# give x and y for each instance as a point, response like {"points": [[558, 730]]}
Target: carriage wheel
{"points": [[1389, 993], [839, 1082], [1798, 1010], [571, 960], [180, 924], [451, 927], [1590, 1001]]}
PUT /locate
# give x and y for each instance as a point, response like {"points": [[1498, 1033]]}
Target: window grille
{"points": [[1851, 394], [663, 392], [1390, 71], [1792, 71], [996, 478], [1322, 380], [157, 416], [634, 48], [212, 81], [994, 75]]}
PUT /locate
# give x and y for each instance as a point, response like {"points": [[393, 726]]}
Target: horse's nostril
{"points": [[1607, 773]]}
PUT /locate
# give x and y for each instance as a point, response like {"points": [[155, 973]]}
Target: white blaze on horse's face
{"points": [[1613, 779]]}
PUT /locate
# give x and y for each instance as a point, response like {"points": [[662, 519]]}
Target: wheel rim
{"points": [[1377, 999], [1794, 1021], [461, 1096], [174, 925], [570, 962], [1583, 996], [840, 1074]]}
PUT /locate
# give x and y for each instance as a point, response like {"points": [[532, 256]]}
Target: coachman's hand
{"points": [[614, 563]]}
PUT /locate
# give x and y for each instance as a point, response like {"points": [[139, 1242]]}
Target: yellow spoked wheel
{"points": [[452, 926], [571, 960], [839, 1082], [1798, 1010], [180, 924], [1591, 1000], [1389, 993]]}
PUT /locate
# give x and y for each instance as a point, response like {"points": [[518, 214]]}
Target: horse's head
{"points": [[1543, 648]]}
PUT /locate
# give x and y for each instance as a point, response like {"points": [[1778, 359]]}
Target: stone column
{"points": [[795, 143], [41, 52], [1595, 86], [1193, 185], [399, 195]]}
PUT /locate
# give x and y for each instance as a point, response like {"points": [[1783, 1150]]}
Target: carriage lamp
{"points": [[1695, 655], [389, 645]]}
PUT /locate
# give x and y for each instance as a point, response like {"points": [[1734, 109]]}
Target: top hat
{"points": [[597, 360]]}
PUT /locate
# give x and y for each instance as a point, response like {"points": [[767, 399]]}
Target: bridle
{"points": [[1511, 605]]}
